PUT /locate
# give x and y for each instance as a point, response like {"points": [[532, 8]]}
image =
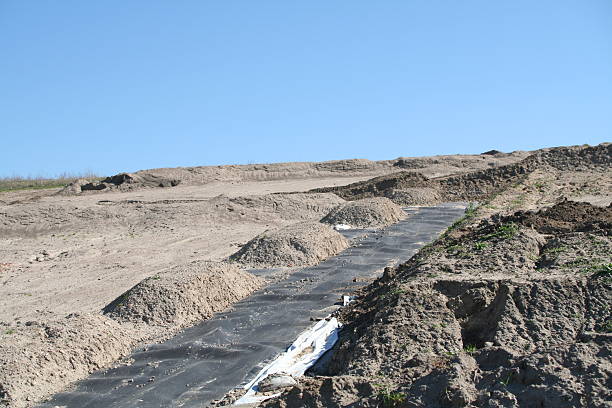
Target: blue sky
{"points": [[110, 86]]}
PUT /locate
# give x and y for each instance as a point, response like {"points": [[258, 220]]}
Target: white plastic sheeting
{"points": [[342, 227], [299, 357]]}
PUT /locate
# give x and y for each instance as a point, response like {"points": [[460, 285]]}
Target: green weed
{"points": [[470, 349], [480, 245], [504, 231], [391, 399]]}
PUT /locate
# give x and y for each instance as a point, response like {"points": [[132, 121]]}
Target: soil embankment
{"points": [[508, 308], [413, 188]]}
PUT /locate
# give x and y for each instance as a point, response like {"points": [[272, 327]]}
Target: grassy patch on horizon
{"points": [[37, 183]]}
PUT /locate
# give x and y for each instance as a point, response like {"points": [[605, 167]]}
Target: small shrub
{"points": [[391, 399], [601, 271], [480, 245], [504, 231], [470, 349]]}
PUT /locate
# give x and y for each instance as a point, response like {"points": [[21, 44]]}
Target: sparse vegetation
{"points": [[391, 399], [503, 231], [38, 183], [602, 270], [555, 250], [470, 348], [480, 245], [470, 213]]}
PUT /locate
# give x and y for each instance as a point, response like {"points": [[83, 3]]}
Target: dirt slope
{"points": [[405, 186], [64, 257], [506, 312]]}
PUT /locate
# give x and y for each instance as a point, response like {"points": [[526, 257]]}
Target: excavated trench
{"points": [[204, 362]]}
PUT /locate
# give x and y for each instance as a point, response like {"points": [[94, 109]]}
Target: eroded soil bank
{"points": [[504, 312]]}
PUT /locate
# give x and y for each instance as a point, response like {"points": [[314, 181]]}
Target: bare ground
{"points": [[63, 258], [509, 308]]}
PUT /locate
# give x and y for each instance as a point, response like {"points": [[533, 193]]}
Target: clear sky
{"points": [[118, 85]]}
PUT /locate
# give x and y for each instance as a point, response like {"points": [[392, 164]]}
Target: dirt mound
{"points": [[481, 184], [574, 158], [377, 186], [301, 244], [287, 206], [122, 181], [39, 357], [184, 294], [414, 196], [367, 213], [499, 314], [567, 216]]}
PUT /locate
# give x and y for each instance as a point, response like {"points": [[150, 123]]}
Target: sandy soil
{"points": [[67, 254], [63, 258]]}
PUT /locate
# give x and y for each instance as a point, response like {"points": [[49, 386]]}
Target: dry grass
{"points": [[37, 183]]}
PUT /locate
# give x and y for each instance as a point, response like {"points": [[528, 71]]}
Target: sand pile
{"points": [[301, 244], [184, 294], [122, 182], [414, 196], [367, 213], [40, 357]]}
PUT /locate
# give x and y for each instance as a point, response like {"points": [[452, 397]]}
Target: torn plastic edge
{"points": [[297, 359]]}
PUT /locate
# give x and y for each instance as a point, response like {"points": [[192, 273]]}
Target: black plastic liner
{"points": [[206, 361]]}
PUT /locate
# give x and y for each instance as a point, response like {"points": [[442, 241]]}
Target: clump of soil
{"points": [[367, 213], [567, 216], [301, 244], [328, 392], [122, 182], [39, 357], [184, 294]]}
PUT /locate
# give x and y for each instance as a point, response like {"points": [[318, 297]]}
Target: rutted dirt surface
{"points": [[367, 213], [509, 308], [302, 244]]}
